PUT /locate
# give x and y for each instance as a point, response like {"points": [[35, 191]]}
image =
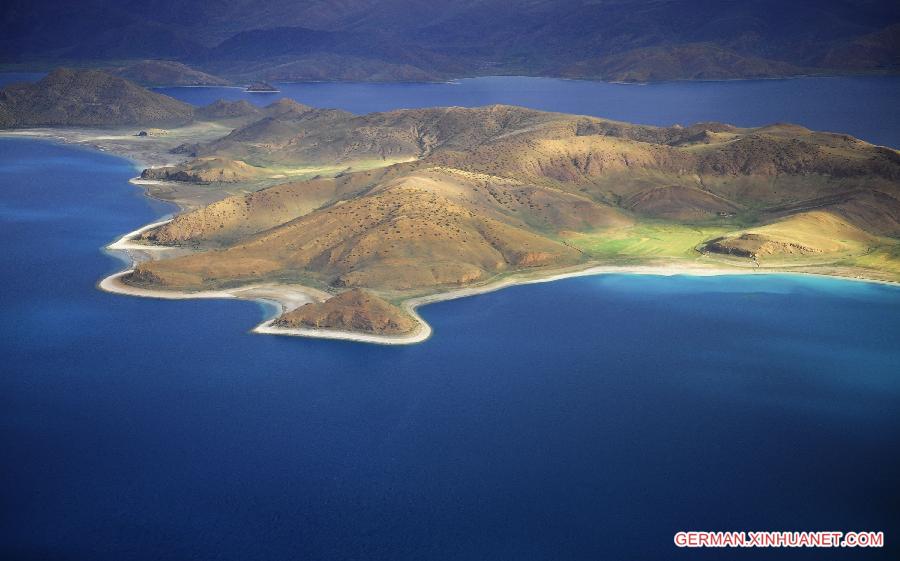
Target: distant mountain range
{"points": [[388, 40]]}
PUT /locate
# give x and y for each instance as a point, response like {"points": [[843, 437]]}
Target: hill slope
{"points": [[154, 73], [87, 98], [808, 234], [353, 310]]}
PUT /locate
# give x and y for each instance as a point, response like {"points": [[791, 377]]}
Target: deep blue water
{"points": [[590, 418], [584, 419], [865, 107]]}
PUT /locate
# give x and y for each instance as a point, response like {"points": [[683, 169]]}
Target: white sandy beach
{"points": [[128, 243], [289, 296]]}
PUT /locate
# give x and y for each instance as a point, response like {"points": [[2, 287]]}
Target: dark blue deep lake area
{"points": [[585, 419]]}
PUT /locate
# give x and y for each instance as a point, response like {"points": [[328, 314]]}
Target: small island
{"points": [[262, 87]]}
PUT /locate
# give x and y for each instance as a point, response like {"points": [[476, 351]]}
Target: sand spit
{"points": [[422, 332], [128, 243], [114, 284], [287, 297]]}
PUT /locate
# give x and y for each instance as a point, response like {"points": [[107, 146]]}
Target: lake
{"points": [[590, 418], [865, 106]]}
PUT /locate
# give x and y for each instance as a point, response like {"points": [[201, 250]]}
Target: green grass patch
{"points": [[646, 241]]}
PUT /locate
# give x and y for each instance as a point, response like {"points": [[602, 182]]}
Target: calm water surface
{"points": [[590, 418], [865, 107]]}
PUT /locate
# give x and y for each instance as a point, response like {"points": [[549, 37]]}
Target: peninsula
{"points": [[351, 221]]}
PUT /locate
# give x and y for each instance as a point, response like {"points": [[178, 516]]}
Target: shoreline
{"points": [[287, 297], [122, 140]]}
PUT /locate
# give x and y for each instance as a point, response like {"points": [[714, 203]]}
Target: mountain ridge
{"points": [[391, 40]]}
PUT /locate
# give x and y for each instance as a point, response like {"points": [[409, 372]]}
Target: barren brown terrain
{"points": [[488, 192], [353, 310]]}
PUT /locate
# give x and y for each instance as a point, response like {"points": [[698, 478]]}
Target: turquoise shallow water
{"points": [[590, 418]]}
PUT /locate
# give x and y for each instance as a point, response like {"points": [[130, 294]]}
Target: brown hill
{"points": [[235, 217], [403, 237], [875, 211], [87, 98], [207, 170], [526, 206], [614, 163], [304, 134], [353, 310], [535, 146], [809, 234]]}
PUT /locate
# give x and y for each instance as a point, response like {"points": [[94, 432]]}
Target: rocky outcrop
{"points": [[206, 170], [758, 246], [353, 310], [812, 233]]}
